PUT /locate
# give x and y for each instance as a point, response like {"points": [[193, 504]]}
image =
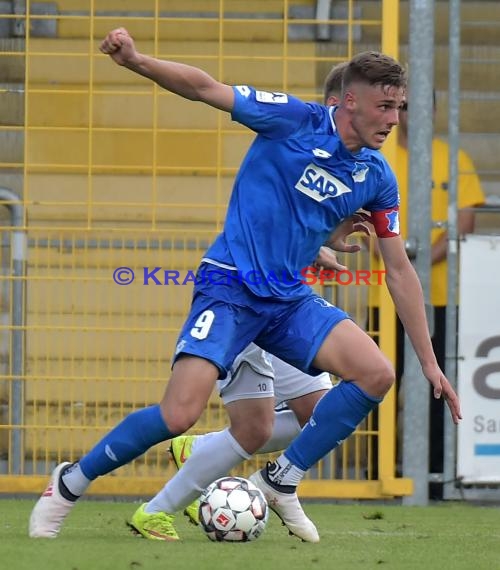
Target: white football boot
{"points": [[288, 509], [51, 508]]}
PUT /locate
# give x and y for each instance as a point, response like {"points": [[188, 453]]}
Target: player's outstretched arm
{"points": [[406, 293], [184, 80]]}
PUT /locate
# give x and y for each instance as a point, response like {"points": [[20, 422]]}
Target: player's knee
{"points": [[253, 435], [179, 425], [262, 433], [179, 419], [381, 378]]}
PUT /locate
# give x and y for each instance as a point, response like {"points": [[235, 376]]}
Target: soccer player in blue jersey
{"points": [[309, 168], [254, 375]]}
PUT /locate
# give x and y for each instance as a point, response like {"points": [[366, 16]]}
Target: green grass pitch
{"points": [[360, 536]]}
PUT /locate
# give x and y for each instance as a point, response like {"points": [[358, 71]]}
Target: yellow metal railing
{"points": [[114, 172]]}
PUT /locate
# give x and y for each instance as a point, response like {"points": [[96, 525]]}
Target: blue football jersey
{"points": [[296, 183]]}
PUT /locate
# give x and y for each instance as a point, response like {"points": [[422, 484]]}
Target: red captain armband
{"points": [[386, 222]]}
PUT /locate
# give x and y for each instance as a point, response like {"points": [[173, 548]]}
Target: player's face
{"points": [[374, 111]]}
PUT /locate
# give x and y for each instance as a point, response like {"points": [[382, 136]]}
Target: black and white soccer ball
{"points": [[233, 509]]}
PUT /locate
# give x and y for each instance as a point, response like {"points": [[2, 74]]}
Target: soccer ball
{"points": [[233, 509]]}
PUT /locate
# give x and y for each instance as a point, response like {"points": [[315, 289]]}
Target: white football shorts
{"points": [[257, 374]]}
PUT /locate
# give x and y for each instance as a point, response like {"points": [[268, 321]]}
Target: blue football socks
{"points": [[334, 418], [132, 437]]}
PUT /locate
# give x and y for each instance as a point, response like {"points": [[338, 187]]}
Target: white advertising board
{"points": [[478, 451]]}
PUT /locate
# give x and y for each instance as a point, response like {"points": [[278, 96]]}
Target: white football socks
{"points": [[209, 461], [283, 472], [213, 455], [286, 429]]}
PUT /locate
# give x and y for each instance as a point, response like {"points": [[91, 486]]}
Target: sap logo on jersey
{"points": [[319, 184]]}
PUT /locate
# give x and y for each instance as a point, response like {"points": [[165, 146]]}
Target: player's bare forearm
{"points": [[406, 292], [184, 80], [407, 295]]}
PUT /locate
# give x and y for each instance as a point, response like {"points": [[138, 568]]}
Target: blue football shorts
{"points": [[225, 317]]}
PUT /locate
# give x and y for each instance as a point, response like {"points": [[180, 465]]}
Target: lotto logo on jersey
{"points": [[266, 97], [319, 184]]}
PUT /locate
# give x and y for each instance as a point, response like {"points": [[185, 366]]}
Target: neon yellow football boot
{"points": [[157, 526], [180, 450]]}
